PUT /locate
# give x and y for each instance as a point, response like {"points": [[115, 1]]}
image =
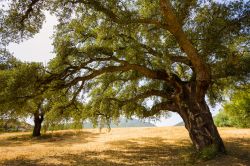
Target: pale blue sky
{"points": [[39, 49]]}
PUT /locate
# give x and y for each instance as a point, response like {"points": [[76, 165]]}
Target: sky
{"points": [[40, 49]]}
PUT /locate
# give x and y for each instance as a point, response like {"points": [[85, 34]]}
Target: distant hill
{"points": [[179, 124], [182, 123], [123, 123]]}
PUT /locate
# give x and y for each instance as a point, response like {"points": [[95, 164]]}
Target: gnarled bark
{"points": [[198, 119]]}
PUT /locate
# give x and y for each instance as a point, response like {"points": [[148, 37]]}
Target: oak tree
{"points": [[19, 95], [124, 53], [22, 94]]}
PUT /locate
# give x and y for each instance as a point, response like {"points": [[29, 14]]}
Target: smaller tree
{"points": [[19, 91], [25, 91], [236, 112]]}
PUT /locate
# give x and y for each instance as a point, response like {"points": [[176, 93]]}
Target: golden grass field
{"points": [[161, 146]]}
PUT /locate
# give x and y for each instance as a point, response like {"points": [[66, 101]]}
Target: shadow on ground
{"points": [[142, 151], [62, 139], [154, 151], [239, 147]]}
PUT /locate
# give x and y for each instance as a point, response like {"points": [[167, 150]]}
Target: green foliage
{"points": [[115, 57], [222, 120], [13, 25], [62, 126], [19, 85], [23, 93], [94, 36], [61, 117], [236, 112], [239, 108]]}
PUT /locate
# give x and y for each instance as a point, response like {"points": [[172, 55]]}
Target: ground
{"points": [[156, 146]]}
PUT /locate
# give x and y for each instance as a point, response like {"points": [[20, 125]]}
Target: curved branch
{"points": [[174, 27], [153, 74], [169, 106], [181, 59]]}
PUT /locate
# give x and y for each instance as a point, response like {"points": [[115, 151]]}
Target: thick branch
{"points": [[201, 69], [169, 106], [153, 74], [181, 59]]}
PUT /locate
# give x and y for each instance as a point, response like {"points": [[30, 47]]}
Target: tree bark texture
{"points": [[38, 119], [198, 119]]}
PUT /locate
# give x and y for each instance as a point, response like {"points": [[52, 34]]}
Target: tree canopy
{"points": [[127, 54]]}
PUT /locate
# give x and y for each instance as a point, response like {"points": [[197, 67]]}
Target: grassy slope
{"points": [[126, 146]]}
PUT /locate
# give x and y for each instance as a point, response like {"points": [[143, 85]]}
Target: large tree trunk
{"points": [[38, 119], [198, 120], [190, 96], [201, 128]]}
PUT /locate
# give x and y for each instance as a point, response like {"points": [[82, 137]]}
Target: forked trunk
{"points": [[38, 119], [199, 121]]}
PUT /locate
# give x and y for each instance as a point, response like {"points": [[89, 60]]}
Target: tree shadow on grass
{"points": [[61, 138], [239, 147], [153, 151], [142, 151]]}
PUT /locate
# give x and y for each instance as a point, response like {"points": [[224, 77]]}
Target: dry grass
{"points": [[128, 146]]}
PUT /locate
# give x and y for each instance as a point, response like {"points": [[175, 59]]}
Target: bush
{"points": [[222, 120], [236, 112]]}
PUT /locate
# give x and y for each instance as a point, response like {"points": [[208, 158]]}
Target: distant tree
{"points": [[125, 53], [21, 93], [236, 111]]}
